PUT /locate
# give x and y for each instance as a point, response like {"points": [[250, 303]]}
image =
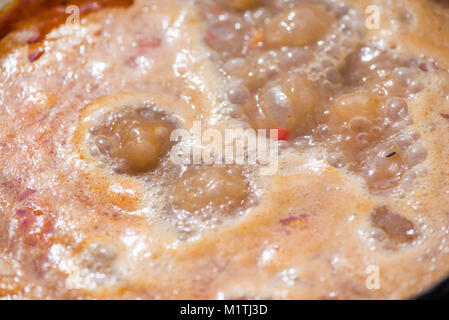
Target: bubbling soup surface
{"points": [[93, 204]]}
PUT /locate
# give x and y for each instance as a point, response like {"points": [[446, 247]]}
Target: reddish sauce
{"points": [[42, 16]]}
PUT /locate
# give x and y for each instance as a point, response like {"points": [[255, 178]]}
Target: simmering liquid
{"points": [[92, 204]]}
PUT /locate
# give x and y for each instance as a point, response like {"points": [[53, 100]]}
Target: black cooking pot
{"points": [[438, 292]]}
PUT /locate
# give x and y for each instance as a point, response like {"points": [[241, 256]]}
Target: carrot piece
{"points": [[283, 134]]}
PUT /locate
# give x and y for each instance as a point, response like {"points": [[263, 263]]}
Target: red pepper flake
{"points": [[290, 221], [445, 116], [210, 36], [295, 221], [152, 42], [35, 54], [282, 134]]}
